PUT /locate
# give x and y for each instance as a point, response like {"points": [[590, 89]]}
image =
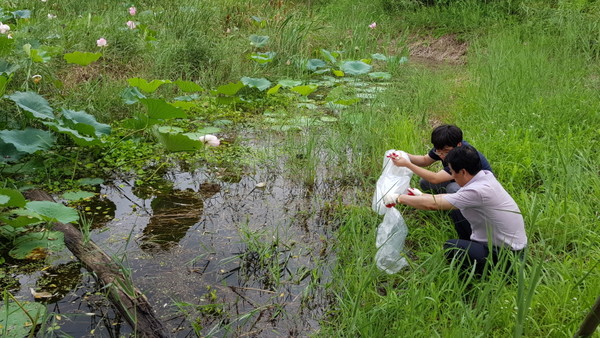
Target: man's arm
{"points": [[426, 202], [429, 176], [421, 160]]}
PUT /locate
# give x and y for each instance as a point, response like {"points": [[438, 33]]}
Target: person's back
{"points": [[488, 207]]}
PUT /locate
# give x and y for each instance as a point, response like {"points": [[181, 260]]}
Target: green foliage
{"points": [[35, 245], [34, 104], [82, 58], [355, 67], [148, 87], [19, 319]]}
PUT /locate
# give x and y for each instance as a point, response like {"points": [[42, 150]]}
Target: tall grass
{"points": [[528, 101]]}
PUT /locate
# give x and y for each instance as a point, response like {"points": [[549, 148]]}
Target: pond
{"points": [[244, 257]]}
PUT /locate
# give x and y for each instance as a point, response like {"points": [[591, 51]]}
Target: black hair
{"points": [[446, 135], [464, 157]]}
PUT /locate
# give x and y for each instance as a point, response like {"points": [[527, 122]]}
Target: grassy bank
{"points": [[526, 98]]}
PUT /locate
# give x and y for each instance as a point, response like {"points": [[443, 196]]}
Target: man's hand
{"points": [[390, 200], [414, 192], [400, 161]]}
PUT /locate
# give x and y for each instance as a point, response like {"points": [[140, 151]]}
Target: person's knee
{"points": [[452, 187], [424, 185]]}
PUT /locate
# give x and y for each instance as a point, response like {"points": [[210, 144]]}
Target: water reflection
{"points": [[173, 213]]}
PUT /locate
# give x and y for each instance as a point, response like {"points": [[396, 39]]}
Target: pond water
{"points": [[245, 258]]}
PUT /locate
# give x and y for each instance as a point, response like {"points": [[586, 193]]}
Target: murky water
{"points": [[247, 258]]}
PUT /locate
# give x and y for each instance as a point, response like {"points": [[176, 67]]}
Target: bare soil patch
{"points": [[433, 50]]}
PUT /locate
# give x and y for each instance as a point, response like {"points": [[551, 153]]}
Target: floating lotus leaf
{"points": [[15, 318], [304, 90], [258, 83], [379, 56], [90, 181], [178, 142], [355, 67], [53, 212], [314, 64], [78, 195], [289, 83], [381, 75], [37, 245]]}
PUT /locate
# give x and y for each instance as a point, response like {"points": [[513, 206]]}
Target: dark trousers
{"points": [[468, 253], [462, 226]]}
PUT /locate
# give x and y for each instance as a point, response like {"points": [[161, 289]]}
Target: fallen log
{"points": [[128, 300]]}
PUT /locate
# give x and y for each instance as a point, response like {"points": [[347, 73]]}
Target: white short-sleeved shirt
{"points": [[488, 207]]}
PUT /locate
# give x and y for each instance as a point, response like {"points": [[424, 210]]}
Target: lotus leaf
{"points": [[34, 104], [82, 58], [188, 86], [15, 198], [29, 140], [80, 118], [146, 86], [258, 40], [230, 89], [355, 67], [53, 212], [15, 321], [36, 245], [258, 83], [304, 90], [160, 109], [314, 64], [131, 95]]}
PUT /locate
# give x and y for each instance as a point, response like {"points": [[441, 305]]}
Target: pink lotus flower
{"points": [[131, 24], [210, 140], [132, 10], [4, 28], [101, 42], [373, 25]]}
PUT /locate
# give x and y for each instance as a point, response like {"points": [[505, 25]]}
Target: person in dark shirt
{"points": [[444, 138]]}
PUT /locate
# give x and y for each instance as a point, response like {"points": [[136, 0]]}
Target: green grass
{"points": [[527, 98]]}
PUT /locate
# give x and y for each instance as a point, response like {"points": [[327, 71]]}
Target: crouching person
{"points": [[495, 219]]}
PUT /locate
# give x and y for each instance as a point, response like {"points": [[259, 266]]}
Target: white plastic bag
{"points": [[392, 232], [393, 179]]}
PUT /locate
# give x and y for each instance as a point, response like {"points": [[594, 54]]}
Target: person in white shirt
{"points": [[494, 217]]}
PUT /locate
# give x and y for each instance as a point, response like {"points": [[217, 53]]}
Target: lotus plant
{"points": [[210, 140], [101, 42], [4, 28]]}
